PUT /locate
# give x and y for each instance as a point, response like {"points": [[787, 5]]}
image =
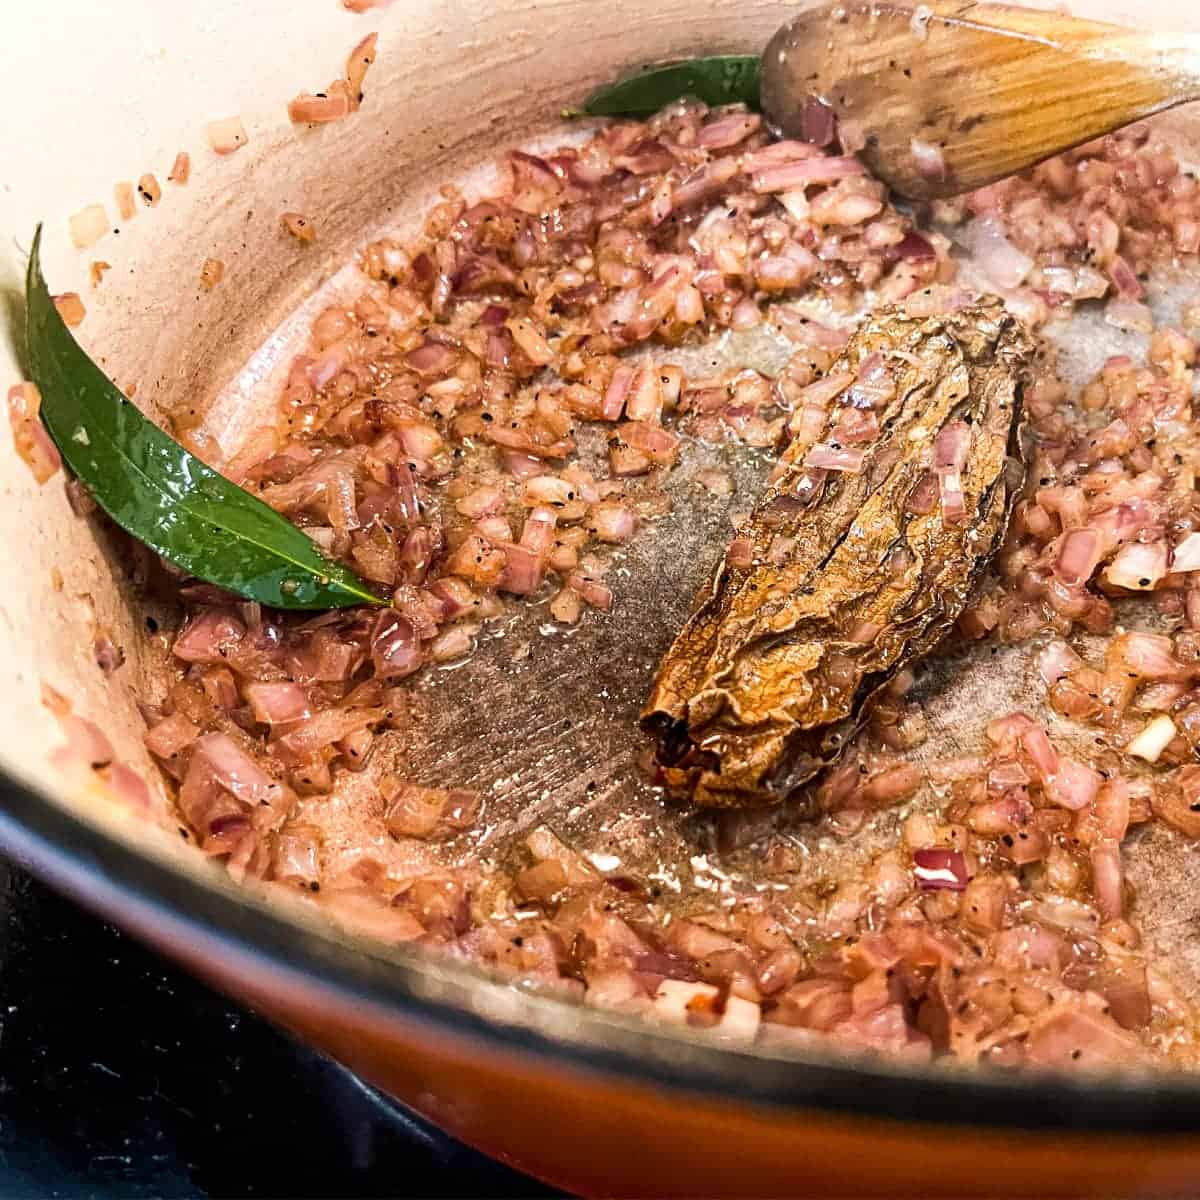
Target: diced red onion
{"points": [[1126, 282], [325, 728], [740, 553], [613, 522], [524, 569], [596, 594], [209, 637], [818, 124], [395, 648], [951, 496], [432, 358], [940, 870], [168, 737], [1130, 315], [1138, 566], [1002, 262], [728, 131], [1108, 879], [704, 183], [1037, 745], [277, 703], [1057, 660], [32, 442], [806, 172], [429, 813], [235, 770], [660, 444], [1186, 555], [1079, 553], [538, 533], [951, 447], [614, 395], [915, 247], [522, 465], [928, 158], [1073, 785], [834, 458]]}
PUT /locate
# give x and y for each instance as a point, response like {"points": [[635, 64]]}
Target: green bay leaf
{"points": [[720, 79], [164, 496]]}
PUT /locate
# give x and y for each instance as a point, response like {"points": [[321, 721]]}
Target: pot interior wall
{"points": [[451, 84]]}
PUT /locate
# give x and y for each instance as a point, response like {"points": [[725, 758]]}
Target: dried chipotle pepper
{"points": [[858, 559]]}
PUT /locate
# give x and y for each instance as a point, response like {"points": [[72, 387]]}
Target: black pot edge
{"points": [[112, 878]]}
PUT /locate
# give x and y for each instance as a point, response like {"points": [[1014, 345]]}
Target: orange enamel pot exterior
{"points": [[608, 1108]]}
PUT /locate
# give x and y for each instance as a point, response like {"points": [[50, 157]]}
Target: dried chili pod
{"points": [[858, 559]]}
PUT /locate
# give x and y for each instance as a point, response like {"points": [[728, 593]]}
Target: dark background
{"points": [[120, 1076]]}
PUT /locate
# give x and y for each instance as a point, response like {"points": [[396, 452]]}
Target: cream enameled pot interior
{"points": [[116, 90]]}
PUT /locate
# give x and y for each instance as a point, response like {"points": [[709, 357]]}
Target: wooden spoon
{"points": [[949, 96]]}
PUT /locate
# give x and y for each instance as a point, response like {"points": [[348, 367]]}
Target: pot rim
{"points": [[110, 876]]}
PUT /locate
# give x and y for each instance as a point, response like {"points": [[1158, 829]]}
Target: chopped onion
{"points": [[181, 168], [1145, 655], [818, 125], [676, 1000], [166, 738], [613, 522], [1126, 281], [834, 458], [307, 109], [1138, 566], [427, 813], [806, 172], [1079, 553], [523, 569], [1153, 739], [1056, 661], [227, 135], [538, 534], [32, 442], [1108, 879], [235, 770], [1129, 315], [740, 553], [928, 158], [88, 226], [596, 594], [729, 130], [209, 637], [299, 226], [395, 648], [277, 703], [916, 247], [212, 271], [1186, 555], [1073, 785], [70, 308], [951, 495], [940, 870], [951, 446], [617, 390], [1002, 262], [431, 358]]}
